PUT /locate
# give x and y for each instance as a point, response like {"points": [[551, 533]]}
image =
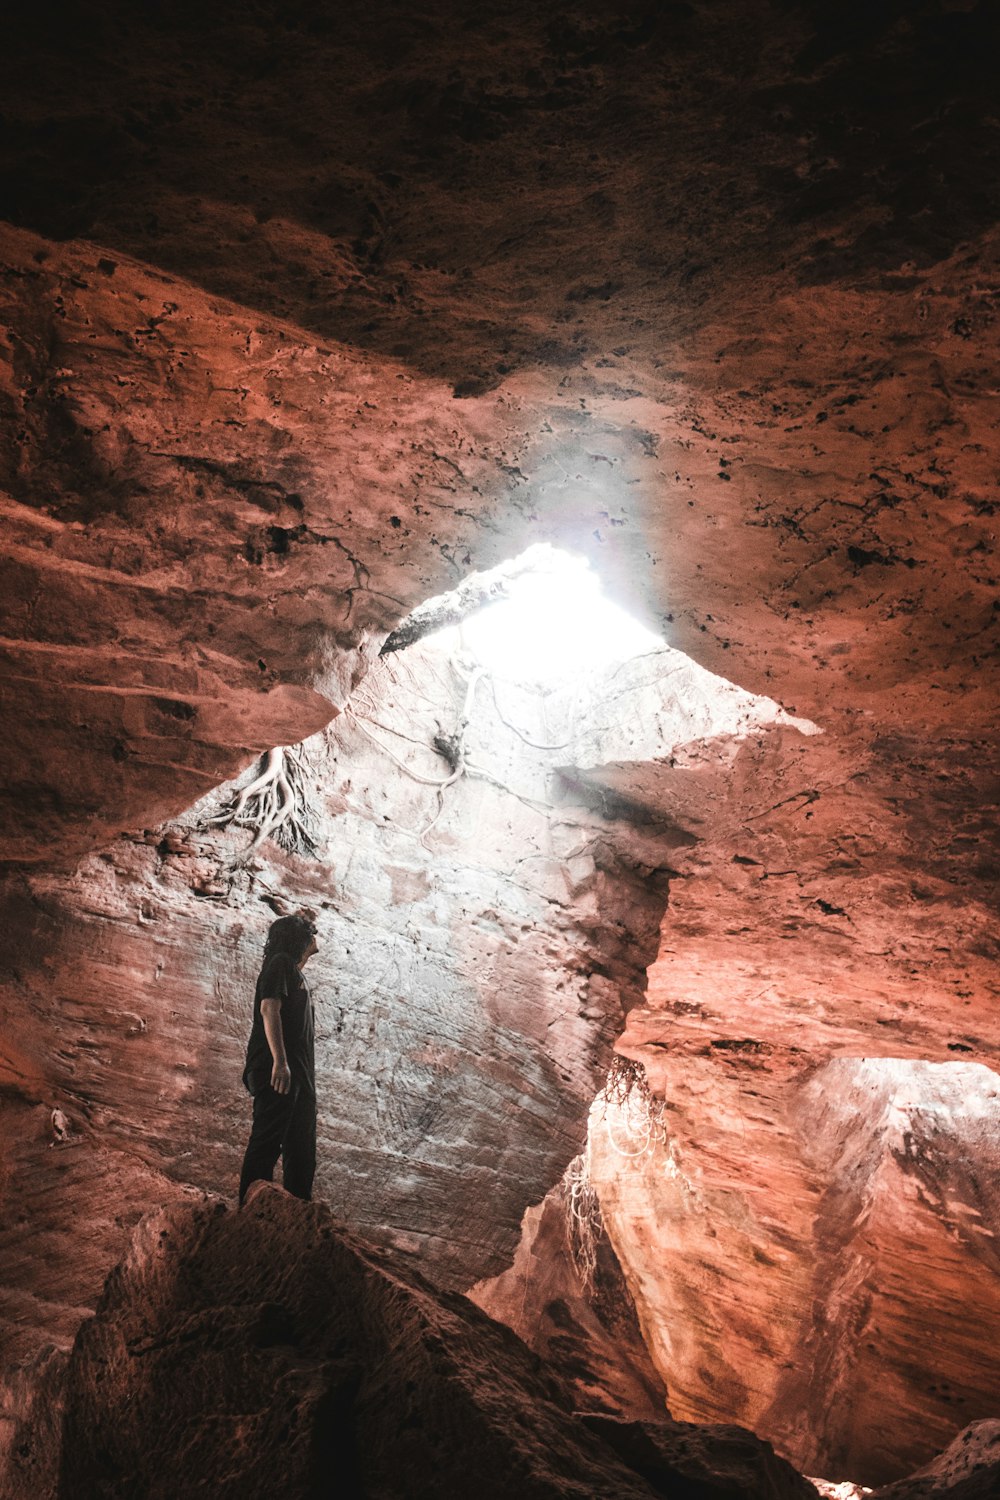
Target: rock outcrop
{"points": [[566, 1297], [480, 943], [265, 1352], [203, 543], [968, 1469], [814, 1252], [702, 1463]]}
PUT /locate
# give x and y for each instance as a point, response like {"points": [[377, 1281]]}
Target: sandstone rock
{"points": [[266, 1352], [703, 1463], [176, 574], [312, 310], [968, 1469], [826, 1234], [31, 1413], [55, 1258], [577, 1314], [479, 945]]}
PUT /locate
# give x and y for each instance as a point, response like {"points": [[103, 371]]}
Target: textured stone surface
{"points": [[968, 1469], [815, 1251], [707, 291], [479, 946], [673, 289], [186, 579], [581, 1319], [703, 1463], [811, 926], [839, 898], [69, 1207], [264, 1352]]}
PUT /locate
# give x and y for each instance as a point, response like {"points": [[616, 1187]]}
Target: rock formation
{"points": [[479, 945], [968, 1469], [266, 1352], [565, 1295], [873, 1198], [309, 313]]}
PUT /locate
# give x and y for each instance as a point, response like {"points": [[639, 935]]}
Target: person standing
{"points": [[280, 1071]]}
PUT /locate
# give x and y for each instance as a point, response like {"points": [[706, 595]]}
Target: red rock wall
{"points": [[823, 913], [479, 945], [565, 1295], [197, 515], [270, 1350], [813, 1252]]}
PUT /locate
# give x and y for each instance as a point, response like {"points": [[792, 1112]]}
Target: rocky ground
{"points": [[261, 1351]]}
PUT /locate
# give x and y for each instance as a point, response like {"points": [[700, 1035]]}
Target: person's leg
{"points": [[271, 1114], [299, 1151]]}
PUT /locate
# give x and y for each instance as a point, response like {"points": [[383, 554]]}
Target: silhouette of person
{"points": [[280, 1071]]}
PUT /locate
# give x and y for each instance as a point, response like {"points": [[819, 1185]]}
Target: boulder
{"points": [[266, 1352], [968, 1469], [688, 1462]]}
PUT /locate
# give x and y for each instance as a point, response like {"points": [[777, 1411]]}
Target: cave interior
{"points": [[517, 483]]}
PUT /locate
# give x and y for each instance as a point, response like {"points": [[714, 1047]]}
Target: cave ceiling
{"points": [[706, 290], [310, 311]]}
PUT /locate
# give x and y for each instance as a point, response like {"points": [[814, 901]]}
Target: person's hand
{"points": [[281, 1078]]}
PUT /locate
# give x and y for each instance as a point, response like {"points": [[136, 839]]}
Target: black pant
{"points": [[283, 1125]]}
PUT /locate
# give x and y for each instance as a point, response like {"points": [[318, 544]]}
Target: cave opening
{"points": [[484, 848], [545, 618], [488, 817], [488, 835]]}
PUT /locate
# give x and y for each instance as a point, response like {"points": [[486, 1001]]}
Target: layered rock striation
{"points": [[482, 935], [814, 1252]]}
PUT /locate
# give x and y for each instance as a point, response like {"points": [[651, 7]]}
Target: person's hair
{"points": [[291, 935]]}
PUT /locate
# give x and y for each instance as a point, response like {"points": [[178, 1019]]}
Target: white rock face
{"points": [[481, 936]]}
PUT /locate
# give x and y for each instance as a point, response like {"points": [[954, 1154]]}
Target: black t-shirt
{"points": [[280, 979]]}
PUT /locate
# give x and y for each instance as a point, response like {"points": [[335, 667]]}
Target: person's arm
{"points": [[281, 1074]]}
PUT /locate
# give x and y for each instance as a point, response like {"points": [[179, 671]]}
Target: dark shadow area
{"points": [[470, 189]]}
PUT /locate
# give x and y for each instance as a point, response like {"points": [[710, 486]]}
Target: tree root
{"points": [[274, 803], [584, 1225], [638, 1115], [450, 747]]}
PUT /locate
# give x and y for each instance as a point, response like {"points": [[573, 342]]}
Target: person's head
{"points": [[295, 935]]}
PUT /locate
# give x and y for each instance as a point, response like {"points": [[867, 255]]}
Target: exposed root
{"points": [[633, 1118], [274, 803], [537, 744], [450, 747], [584, 1225]]}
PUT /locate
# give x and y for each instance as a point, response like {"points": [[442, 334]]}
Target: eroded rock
{"points": [[703, 1463], [566, 1297], [968, 1469], [267, 1352], [828, 1240], [480, 943], [706, 290]]}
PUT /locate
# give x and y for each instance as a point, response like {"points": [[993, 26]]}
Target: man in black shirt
{"points": [[280, 1070]]}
